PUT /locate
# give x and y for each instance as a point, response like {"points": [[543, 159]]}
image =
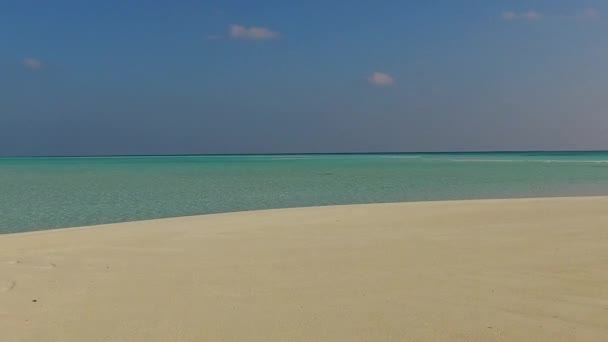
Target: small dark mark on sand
{"points": [[34, 300]]}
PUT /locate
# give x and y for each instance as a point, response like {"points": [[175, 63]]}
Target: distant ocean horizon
{"points": [[39, 193], [556, 152]]}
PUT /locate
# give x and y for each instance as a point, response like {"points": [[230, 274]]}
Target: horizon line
{"points": [[298, 153]]}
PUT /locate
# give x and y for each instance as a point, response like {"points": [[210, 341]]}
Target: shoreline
{"points": [[456, 201], [497, 269]]}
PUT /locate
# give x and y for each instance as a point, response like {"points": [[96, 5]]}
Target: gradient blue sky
{"points": [[164, 77]]}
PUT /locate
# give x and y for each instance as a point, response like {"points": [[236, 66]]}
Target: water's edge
{"points": [[311, 208]]}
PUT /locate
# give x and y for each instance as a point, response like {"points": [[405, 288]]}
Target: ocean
{"points": [[57, 192]]}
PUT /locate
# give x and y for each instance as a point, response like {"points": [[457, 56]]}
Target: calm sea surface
{"points": [[45, 193]]}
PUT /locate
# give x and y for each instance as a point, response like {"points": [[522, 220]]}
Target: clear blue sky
{"points": [[164, 77]]}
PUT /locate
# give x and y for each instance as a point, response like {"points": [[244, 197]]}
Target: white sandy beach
{"points": [[496, 270]]}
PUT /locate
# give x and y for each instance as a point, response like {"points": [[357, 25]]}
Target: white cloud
{"points": [[509, 15], [254, 33], [381, 79], [588, 14], [529, 15], [32, 63]]}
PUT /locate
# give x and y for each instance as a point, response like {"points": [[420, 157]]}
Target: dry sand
{"points": [[514, 270]]}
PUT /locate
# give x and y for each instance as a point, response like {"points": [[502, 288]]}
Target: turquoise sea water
{"points": [[45, 193]]}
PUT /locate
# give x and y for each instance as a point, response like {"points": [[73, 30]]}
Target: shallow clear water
{"points": [[45, 193]]}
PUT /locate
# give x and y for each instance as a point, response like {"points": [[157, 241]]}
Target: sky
{"points": [[249, 76]]}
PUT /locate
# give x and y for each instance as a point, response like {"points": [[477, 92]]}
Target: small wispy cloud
{"points": [[588, 14], [252, 33], [213, 37], [381, 79], [32, 63], [529, 15]]}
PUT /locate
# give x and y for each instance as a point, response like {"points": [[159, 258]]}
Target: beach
{"points": [[480, 270]]}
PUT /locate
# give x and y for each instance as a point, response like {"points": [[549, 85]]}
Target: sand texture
{"points": [[496, 270]]}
